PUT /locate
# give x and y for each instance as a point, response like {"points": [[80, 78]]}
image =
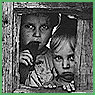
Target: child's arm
{"points": [[25, 65]]}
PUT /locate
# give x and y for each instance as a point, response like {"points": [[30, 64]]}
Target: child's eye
{"points": [[44, 27], [29, 26], [71, 58], [58, 58]]}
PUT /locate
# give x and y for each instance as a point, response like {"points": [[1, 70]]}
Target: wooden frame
{"points": [[12, 12]]}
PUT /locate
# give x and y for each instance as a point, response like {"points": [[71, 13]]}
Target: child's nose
{"points": [[37, 33], [65, 64]]}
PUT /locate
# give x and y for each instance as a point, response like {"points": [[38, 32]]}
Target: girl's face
{"points": [[36, 29], [63, 58]]}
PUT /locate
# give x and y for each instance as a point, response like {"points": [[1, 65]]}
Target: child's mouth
{"points": [[67, 76]]}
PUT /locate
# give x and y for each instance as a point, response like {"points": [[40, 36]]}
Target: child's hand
{"points": [[26, 58], [66, 86], [69, 86], [50, 85]]}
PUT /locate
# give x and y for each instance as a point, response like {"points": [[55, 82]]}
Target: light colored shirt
{"points": [[42, 72]]}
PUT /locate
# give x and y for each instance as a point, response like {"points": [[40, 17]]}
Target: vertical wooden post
{"points": [[88, 43], [78, 51], [16, 31], [84, 54], [7, 14]]}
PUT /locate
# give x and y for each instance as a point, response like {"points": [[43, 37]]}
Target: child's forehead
{"points": [[63, 47], [30, 16], [35, 19]]}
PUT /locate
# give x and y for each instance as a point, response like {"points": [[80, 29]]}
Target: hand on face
{"points": [[26, 58], [35, 29]]}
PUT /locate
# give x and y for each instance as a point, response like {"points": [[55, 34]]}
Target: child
{"points": [[35, 58], [63, 48]]}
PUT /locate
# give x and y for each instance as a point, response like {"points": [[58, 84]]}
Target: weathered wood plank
{"points": [[7, 9], [16, 31], [84, 54], [74, 5], [83, 10]]}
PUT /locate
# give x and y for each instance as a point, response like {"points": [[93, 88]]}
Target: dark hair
{"points": [[53, 17], [66, 32]]}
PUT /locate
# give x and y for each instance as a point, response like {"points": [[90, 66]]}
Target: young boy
{"points": [[35, 57], [62, 47]]}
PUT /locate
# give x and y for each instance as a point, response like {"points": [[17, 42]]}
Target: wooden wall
{"points": [[10, 48], [7, 55], [84, 56], [10, 40]]}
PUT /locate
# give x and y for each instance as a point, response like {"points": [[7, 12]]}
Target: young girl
{"points": [[35, 57], [63, 48]]}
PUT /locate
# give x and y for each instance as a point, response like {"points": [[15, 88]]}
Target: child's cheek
{"points": [[72, 67], [72, 64], [58, 65]]}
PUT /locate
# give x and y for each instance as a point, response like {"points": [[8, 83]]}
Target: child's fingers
{"points": [[72, 82], [50, 85], [23, 61], [64, 87], [26, 60], [54, 86], [72, 86], [28, 55], [26, 51], [68, 88], [45, 86]]}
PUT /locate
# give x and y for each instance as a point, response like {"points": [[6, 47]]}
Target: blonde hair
{"points": [[66, 32]]}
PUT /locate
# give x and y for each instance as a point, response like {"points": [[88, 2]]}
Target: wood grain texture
{"points": [[10, 41], [16, 30], [83, 10], [84, 54], [7, 47]]}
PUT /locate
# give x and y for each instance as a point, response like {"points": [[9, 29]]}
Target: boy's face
{"points": [[63, 58], [36, 28]]}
